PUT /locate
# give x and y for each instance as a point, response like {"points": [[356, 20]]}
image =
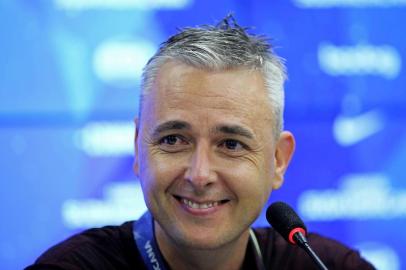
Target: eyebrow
{"points": [[182, 125], [171, 125], [235, 130]]}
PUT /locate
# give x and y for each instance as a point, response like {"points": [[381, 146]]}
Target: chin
{"points": [[203, 244], [206, 240]]}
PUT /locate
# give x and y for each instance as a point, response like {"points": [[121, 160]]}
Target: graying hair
{"points": [[223, 46]]}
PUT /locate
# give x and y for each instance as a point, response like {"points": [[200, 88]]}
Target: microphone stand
{"points": [[302, 242]]}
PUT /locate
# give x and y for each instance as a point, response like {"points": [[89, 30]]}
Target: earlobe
{"points": [[136, 160], [284, 149]]}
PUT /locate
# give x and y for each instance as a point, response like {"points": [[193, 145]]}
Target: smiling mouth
{"points": [[197, 205]]}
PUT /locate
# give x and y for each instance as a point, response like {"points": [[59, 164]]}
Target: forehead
{"points": [[181, 90]]}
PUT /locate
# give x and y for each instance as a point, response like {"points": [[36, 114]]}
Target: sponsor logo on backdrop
{"points": [[352, 200], [348, 3], [79, 5], [120, 202], [361, 59], [106, 139]]}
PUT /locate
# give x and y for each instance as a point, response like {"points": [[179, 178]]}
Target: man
{"points": [[209, 150]]}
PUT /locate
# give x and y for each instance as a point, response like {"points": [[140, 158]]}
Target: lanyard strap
{"points": [[143, 231], [259, 262]]}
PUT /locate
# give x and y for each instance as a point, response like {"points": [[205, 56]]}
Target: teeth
{"points": [[196, 205]]}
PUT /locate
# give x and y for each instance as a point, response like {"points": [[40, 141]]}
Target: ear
{"points": [[136, 159], [284, 149]]}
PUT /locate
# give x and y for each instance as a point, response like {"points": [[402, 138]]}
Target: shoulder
{"points": [[110, 247], [279, 254]]}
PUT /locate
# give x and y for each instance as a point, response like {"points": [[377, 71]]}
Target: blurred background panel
{"points": [[70, 73]]}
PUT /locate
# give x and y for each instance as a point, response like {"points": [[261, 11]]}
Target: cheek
{"points": [[251, 182], [157, 171], [148, 174]]}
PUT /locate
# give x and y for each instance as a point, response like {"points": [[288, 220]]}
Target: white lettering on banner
{"points": [[121, 201], [79, 5], [361, 59], [348, 3], [106, 139], [151, 255], [353, 200], [120, 62]]}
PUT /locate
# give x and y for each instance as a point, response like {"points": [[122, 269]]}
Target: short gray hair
{"points": [[223, 46]]}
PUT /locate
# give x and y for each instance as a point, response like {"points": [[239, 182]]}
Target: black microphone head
{"points": [[284, 219]]}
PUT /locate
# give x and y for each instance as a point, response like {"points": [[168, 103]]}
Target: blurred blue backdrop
{"points": [[69, 85]]}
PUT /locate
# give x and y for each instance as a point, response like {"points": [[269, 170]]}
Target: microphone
{"points": [[288, 224]]}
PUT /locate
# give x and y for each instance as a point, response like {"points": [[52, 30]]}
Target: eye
{"points": [[233, 145], [170, 140], [173, 143]]}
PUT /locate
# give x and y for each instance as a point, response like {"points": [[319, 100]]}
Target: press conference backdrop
{"points": [[70, 73]]}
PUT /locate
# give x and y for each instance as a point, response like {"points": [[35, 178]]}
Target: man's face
{"points": [[205, 153]]}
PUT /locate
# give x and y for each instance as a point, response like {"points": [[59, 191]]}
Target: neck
{"points": [[182, 257]]}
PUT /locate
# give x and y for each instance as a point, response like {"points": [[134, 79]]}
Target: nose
{"points": [[200, 172]]}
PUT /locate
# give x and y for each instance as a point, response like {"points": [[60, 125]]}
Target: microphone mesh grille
{"points": [[283, 219]]}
